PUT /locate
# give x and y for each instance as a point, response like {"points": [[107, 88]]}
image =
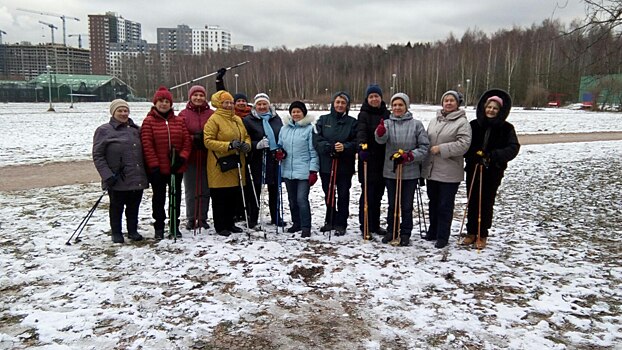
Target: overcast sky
{"points": [[295, 24]]}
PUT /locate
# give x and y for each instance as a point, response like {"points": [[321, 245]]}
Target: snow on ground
{"points": [[38, 136], [549, 279]]}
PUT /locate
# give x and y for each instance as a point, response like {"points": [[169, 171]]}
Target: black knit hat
{"points": [[238, 96], [300, 105]]}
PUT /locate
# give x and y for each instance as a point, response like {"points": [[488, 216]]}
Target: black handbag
{"points": [[227, 163]]}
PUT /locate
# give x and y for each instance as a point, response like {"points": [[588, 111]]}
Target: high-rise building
{"points": [[26, 61], [188, 40], [106, 29], [210, 38], [175, 39]]}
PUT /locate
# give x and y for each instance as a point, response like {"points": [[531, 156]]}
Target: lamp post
{"points": [[70, 91], [236, 82], [393, 84], [51, 109], [466, 95]]}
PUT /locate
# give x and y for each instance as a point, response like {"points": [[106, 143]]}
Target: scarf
{"points": [[267, 129]]}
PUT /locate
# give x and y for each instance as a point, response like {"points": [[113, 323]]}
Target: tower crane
{"points": [[79, 38], [1, 32], [62, 17], [52, 27]]}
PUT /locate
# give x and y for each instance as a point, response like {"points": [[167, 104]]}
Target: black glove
{"points": [[111, 181], [197, 141], [177, 164], [279, 154], [245, 147], [483, 158], [221, 73], [235, 144]]}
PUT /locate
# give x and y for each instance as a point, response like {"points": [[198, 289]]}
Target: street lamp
{"points": [[393, 84], [236, 82], [466, 95], [51, 109], [70, 90]]}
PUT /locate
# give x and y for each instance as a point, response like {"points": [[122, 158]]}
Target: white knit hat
{"points": [[402, 96], [116, 104], [262, 97]]}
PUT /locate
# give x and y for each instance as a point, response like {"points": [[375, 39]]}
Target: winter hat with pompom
{"points": [[162, 94]]}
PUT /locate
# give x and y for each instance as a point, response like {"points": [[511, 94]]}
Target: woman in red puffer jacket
{"points": [[164, 137]]}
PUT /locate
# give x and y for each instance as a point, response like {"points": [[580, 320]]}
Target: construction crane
{"points": [[79, 38], [52, 27], [62, 17], [1, 32]]}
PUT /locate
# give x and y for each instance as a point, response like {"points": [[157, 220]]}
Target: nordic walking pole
{"points": [[479, 209], [207, 75], [279, 211], [85, 220], [172, 221], [421, 212], [398, 202], [243, 197], [468, 200], [366, 235], [261, 194], [331, 195], [197, 194]]}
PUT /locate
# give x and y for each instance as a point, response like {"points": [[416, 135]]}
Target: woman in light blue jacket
{"points": [[300, 167]]}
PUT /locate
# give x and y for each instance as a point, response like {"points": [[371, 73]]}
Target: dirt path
{"points": [[23, 177]]}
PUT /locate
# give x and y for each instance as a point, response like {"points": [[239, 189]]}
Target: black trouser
{"points": [[442, 196], [225, 200], [131, 201], [159, 186], [490, 184], [341, 205], [375, 191]]}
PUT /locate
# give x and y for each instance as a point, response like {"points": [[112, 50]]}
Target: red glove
{"points": [[380, 129], [280, 154], [312, 178], [409, 157]]}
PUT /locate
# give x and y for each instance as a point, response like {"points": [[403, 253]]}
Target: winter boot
{"points": [[468, 239], [235, 229], [340, 231], [441, 243], [159, 234], [404, 241], [293, 229], [306, 233], [481, 243], [117, 237], [134, 236], [327, 227], [224, 233], [204, 224], [380, 231]]}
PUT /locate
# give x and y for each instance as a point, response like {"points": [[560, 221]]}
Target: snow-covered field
{"points": [[549, 279], [32, 135]]}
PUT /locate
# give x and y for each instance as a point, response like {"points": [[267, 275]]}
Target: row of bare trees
{"points": [[530, 63]]}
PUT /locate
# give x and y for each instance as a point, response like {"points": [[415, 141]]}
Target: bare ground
{"points": [[23, 177]]}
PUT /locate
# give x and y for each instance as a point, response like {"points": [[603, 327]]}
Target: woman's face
{"points": [[374, 100], [240, 104], [121, 114], [163, 105], [198, 98], [492, 109], [227, 104], [262, 107], [450, 103], [398, 107], [297, 114], [340, 104]]}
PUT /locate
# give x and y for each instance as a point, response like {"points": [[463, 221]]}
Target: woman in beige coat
{"points": [[225, 135], [450, 138]]}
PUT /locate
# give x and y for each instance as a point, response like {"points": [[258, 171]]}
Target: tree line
{"points": [[530, 63]]}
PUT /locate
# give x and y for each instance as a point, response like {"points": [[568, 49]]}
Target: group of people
{"points": [[230, 155]]}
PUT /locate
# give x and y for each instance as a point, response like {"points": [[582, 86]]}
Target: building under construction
{"points": [[26, 61]]}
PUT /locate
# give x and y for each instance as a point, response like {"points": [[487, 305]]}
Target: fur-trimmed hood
{"points": [[307, 120]]}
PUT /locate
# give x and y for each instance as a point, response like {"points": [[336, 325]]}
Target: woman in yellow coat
{"points": [[225, 135]]}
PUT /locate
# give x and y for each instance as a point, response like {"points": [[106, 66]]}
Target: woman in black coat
{"points": [[335, 142], [494, 143], [372, 111]]}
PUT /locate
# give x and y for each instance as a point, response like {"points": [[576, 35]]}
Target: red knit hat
{"points": [[196, 88], [497, 99], [162, 94]]}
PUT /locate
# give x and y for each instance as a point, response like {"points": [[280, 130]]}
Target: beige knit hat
{"points": [[118, 103]]}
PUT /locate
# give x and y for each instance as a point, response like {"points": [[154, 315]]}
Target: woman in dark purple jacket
{"points": [[118, 157]]}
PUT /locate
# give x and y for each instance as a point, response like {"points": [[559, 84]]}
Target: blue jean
{"points": [[298, 195], [406, 206], [442, 196]]}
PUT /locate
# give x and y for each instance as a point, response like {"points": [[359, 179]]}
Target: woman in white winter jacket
{"points": [[450, 138]]}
